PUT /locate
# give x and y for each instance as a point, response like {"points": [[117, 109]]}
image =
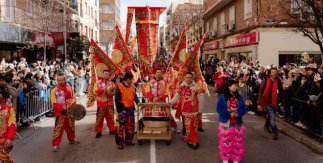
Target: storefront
{"points": [[283, 46], [241, 47], [297, 58], [211, 50]]}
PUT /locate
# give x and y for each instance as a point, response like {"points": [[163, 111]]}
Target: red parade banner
{"points": [[180, 55], [121, 55], [147, 21], [99, 61], [192, 63], [129, 23]]}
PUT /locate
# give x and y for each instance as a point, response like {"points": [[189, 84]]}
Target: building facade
{"points": [[89, 19], [184, 12], [249, 30], [28, 26], [109, 16]]}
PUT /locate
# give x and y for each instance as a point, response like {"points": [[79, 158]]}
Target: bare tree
{"points": [[307, 17], [108, 40], [46, 16], [189, 13]]}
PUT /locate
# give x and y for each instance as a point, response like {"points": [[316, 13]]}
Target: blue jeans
{"points": [[270, 119]]}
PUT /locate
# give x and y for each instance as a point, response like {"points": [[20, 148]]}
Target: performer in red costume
{"points": [[7, 130], [104, 91], [188, 95], [62, 98]]}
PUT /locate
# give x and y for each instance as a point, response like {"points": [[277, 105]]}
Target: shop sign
{"points": [[211, 45], [39, 39], [58, 38], [244, 39]]}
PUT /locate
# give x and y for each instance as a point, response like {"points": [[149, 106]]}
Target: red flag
{"points": [[147, 20], [180, 55], [121, 55], [192, 63], [99, 62], [129, 23]]}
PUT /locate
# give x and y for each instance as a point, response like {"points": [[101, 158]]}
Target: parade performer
{"points": [[62, 98], [203, 89], [104, 91], [7, 130], [188, 94], [157, 91], [231, 108], [125, 99]]}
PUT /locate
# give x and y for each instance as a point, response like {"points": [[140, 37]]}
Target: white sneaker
{"points": [[299, 124], [55, 148], [251, 112]]}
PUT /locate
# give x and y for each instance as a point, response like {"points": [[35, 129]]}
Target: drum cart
{"points": [[155, 122]]}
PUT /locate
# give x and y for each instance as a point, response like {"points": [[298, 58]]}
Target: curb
{"points": [[297, 134]]}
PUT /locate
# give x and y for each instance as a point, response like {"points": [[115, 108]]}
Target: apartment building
{"points": [[253, 30], [109, 16], [89, 19], [26, 24], [184, 12]]}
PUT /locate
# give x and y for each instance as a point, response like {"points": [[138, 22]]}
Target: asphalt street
{"points": [[259, 146]]}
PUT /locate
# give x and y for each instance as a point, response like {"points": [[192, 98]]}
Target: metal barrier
{"points": [[308, 114], [38, 104]]}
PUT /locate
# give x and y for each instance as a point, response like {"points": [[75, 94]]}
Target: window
{"points": [[247, 9], [223, 25], [91, 14], [295, 6], [232, 15], [86, 31], [207, 26], [96, 36], [8, 10], [96, 2], [107, 8], [81, 9], [30, 6], [215, 26], [86, 8]]}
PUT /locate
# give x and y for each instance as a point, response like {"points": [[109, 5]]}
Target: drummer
{"points": [[158, 92], [8, 130], [62, 98]]}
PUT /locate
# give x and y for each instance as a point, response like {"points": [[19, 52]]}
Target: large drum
{"points": [[77, 111]]}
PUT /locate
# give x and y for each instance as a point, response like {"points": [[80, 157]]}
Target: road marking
{"points": [[152, 151]]}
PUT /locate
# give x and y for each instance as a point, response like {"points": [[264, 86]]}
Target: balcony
{"points": [[211, 7]]}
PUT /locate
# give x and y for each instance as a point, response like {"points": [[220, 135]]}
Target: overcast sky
{"points": [[154, 3]]}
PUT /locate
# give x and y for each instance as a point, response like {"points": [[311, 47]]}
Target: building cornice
{"points": [[215, 8]]}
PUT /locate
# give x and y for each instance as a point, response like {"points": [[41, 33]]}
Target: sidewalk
{"points": [[300, 135]]}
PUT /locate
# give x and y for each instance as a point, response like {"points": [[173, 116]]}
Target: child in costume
{"points": [[231, 108]]}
